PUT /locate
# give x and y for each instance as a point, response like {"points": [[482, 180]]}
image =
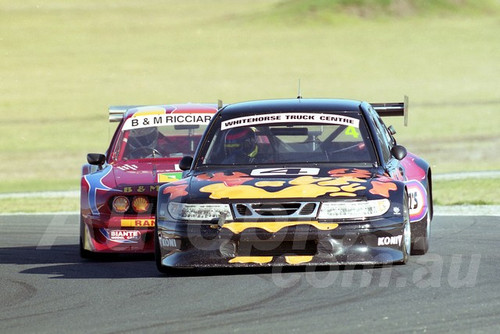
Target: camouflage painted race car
{"points": [[296, 182], [119, 188]]}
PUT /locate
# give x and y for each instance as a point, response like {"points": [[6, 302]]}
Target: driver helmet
{"points": [[143, 137], [241, 140]]}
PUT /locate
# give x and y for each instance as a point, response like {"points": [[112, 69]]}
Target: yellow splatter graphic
{"points": [[353, 187], [300, 187], [251, 259], [269, 183], [273, 227], [343, 194], [220, 190], [341, 181], [298, 259], [305, 180]]}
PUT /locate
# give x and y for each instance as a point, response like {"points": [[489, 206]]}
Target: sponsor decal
{"points": [[141, 189], [284, 171], [138, 222], [128, 167], [390, 241], [290, 118], [122, 236], [169, 177], [145, 120], [418, 200], [166, 242]]}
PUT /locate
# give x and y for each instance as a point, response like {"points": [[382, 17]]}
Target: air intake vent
{"points": [[243, 210], [308, 209], [276, 210], [284, 209]]}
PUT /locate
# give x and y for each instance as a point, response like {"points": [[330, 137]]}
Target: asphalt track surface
{"points": [[47, 288]]}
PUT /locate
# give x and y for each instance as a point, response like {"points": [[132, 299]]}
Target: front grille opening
{"points": [[270, 248], [243, 210], [281, 209], [276, 209], [308, 209]]}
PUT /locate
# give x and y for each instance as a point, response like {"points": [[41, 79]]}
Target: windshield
{"points": [[289, 138], [168, 141]]}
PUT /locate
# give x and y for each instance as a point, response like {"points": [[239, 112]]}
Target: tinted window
{"points": [[289, 138]]}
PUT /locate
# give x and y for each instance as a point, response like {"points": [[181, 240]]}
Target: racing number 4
{"points": [[351, 131]]}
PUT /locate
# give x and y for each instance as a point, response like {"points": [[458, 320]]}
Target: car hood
{"points": [[282, 183], [140, 175]]}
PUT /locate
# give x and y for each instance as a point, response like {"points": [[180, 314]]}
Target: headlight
{"points": [[121, 204], [140, 204], [361, 209], [184, 211]]}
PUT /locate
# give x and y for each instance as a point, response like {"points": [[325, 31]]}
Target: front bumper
{"points": [[117, 234], [257, 244]]}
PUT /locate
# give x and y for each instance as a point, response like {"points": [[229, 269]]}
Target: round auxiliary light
{"points": [[140, 204], [121, 204]]}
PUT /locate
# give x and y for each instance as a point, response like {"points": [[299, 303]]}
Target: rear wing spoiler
{"points": [[393, 109], [116, 112]]}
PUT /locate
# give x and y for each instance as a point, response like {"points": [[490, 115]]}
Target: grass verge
{"points": [[64, 62], [467, 192], [34, 205]]}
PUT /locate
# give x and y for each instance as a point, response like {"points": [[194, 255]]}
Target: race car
{"points": [[119, 188], [296, 182]]}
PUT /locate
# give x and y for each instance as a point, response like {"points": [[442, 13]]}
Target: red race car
{"points": [[119, 188]]}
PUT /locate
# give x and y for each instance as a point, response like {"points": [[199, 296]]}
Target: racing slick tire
{"points": [[407, 245], [84, 254], [422, 229]]}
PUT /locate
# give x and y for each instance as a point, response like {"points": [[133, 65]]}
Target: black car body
{"points": [[296, 182]]}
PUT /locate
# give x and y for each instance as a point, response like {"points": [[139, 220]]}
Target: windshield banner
{"points": [[290, 118]]}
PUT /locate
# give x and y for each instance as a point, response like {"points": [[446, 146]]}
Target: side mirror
{"points": [[399, 152], [392, 131], [186, 162], [96, 159]]}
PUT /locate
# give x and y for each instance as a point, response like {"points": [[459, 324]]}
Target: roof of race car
{"points": [[290, 105], [172, 108], [117, 113]]}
